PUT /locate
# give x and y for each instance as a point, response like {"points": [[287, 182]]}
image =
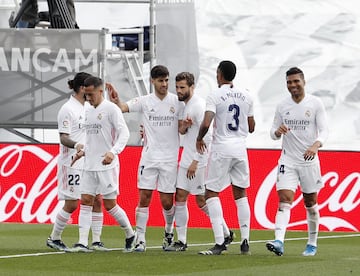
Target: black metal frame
{"points": [[59, 14]]}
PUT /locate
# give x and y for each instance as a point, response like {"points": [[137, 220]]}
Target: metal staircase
{"points": [[134, 73]]}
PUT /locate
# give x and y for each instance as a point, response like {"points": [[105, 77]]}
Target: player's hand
{"points": [[283, 129], [310, 153], [77, 156], [142, 132], [112, 93], [108, 158], [201, 146], [188, 121], [190, 174], [79, 147]]}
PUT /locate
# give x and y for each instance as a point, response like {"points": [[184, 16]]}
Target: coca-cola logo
{"points": [[344, 196], [31, 191]]}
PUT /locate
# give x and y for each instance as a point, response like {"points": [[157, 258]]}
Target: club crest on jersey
{"points": [[172, 110], [308, 113], [99, 116], [65, 123]]}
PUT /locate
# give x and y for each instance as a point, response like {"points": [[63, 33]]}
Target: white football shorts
{"points": [[222, 172], [69, 180], [307, 176], [159, 176], [194, 186], [105, 183]]}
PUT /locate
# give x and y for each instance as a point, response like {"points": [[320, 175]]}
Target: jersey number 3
{"points": [[234, 125]]}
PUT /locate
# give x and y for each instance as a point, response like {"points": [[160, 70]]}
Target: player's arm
{"points": [[68, 142], [251, 124], [322, 125], [278, 128], [323, 132], [185, 124], [114, 97], [204, 127], [123, 133]]}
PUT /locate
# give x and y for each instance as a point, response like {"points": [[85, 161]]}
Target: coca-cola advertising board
{"points": [[28, 190]]}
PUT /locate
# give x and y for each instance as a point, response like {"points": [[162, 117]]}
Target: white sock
{"points": [[226, 230], [122, 219], [216, 218], [169, 216], [84, 223], [313, 216], [243, 211], [142, 216], [96, 226], [181, 219], [282, 220], [60, 222]]}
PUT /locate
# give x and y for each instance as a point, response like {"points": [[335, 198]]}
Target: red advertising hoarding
{"points": [[28, 190]]}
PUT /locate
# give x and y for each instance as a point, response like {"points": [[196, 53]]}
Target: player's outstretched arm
{"points": [[114, 97]]}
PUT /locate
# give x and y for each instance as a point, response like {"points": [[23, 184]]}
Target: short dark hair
{"points": [[159, 71], [78, 81], [294, 71], [189, 77], [93, 81], [227, 69]]}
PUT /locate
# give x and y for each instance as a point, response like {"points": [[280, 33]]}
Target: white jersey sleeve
{"points": [[70, 120]]}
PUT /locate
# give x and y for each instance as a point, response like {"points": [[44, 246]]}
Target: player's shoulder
{"points": [[67, 107], [110, 105], [196, 102], [311, 97], [172, 97], [286, 101]]}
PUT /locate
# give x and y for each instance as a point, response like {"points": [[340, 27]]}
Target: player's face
{"points": [[295, 84], [161, 85], [93, 95], [183, 90]]}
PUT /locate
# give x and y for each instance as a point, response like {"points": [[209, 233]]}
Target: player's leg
{"points": [[147, 179], [217, 180], [85, 218], [97, 224], [68, 190], [142, 216], [286, 185], [167, 188], [239, 176], [181, 208], [55, 241], [121, 218], [311, 183]]}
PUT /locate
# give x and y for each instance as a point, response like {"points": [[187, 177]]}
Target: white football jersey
{"points": [[160, 119], [194, 109], [70, 119], [306, 122], [106, 130], [232, 107]]}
